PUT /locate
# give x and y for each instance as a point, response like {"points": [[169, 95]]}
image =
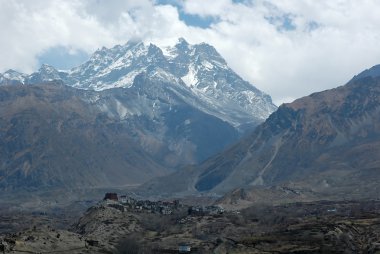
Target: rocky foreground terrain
{"points": [[315, 227]]}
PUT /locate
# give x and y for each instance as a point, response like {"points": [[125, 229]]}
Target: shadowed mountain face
{"points": [[52, 137], [163, 121], [323, 141]]}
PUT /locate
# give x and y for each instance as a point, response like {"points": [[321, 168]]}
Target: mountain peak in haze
{"points": [[182, 41]]}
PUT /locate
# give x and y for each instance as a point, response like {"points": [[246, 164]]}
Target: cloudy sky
{"points": [[287, 48]]}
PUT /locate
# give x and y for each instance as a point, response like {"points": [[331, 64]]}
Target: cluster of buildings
{"points": [[125, 202], [205, 210]]}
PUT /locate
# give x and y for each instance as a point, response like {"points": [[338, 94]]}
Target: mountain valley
{"points": [[206, 160], [326, 144], [127, 115]]}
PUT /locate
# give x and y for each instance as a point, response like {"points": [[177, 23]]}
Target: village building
{"points": [[215, 209], [184, 248], [126, 200], [111, 196], [201, 210], [165, 210], [110, 199], [124, 203]]}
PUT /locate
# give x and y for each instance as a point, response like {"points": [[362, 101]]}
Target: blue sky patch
{"points": [[196, 20], [311, 26], [171, 2], [60, 58], [240, 1], [282, 23], [191, 19]]}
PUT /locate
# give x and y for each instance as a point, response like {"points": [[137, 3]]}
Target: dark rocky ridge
{"points": [[336, 129]]}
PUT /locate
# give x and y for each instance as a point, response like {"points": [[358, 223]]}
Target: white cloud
{"points": [[329, 43], [34, 26], [206, 8]]}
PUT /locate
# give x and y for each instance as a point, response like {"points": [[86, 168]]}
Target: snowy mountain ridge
{"points": [[214, 87]]}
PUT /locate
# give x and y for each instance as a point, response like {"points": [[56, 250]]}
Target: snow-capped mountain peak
{"points": [[117, 66], [199, 69], [14, 75], [44, 74], [49, 72]]}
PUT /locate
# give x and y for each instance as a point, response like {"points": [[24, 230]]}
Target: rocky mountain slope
{"points": [[327, 142], [52, 138], [56, 136]]}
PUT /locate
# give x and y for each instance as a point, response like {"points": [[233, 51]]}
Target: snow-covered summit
{"points": [[45, 73], [12, 77], [116, 67], [199, 69]]}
